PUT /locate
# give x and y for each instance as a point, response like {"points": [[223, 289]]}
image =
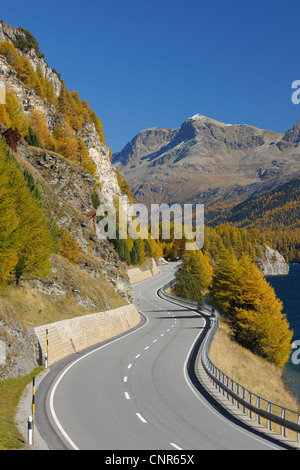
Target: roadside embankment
{"points": [[69, 336]]}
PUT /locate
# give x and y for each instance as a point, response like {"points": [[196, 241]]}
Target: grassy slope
{"points": [[254, 373], [33, 308], [10, 393]]}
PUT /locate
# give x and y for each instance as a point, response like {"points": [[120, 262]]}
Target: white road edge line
{"points": [[51, 399], [209, 407], [174, 445], [204, 403]]}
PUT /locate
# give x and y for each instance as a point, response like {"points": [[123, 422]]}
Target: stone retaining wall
{"points": [[137, 275], [67, 337]]}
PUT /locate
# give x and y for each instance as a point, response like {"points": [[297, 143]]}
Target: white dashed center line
{"points": [[141, 417]]}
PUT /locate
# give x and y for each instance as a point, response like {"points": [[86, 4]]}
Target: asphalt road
{"points": [[134, 393]]}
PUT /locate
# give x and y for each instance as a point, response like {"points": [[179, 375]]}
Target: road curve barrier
{"points": [[263, 411]]}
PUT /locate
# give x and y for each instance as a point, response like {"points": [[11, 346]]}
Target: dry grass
{"points": [[254, 373], [10, 393], [32, 307]]}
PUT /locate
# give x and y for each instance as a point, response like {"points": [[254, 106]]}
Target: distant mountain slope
{"points": [[275, 209], [276, 213], [208, 161]]}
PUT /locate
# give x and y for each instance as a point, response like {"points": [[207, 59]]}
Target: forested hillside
{"points": [[74, 112], [226, 275], [275, 213], [28, 233], [68, 124]]}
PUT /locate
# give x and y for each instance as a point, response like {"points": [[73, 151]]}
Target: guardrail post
{"points": [[269, 407], [213, 374], [258, 406], [283, 433], [250, 400], [232, 389], [217, 378], [243, 397], [237, 389]]}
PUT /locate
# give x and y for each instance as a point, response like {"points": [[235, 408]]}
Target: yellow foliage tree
{"points": [[9, 223], [82, 157], [26, 241], [260, 324], [141, 247], [39, 125], [15, 112], [156, 248], [66, 143], [26, 73], [8, 50], [240, 291], [4, 117], [68, 247]]}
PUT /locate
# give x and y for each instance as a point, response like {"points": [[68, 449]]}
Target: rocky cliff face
{"points": [[105, 173], [206, 161], [13, 34], [273, 263], [17, 352], [97, 277], [69, 189], [100, 153]]}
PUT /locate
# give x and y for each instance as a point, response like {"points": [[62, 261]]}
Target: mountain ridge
{"points": [[205, 160]]}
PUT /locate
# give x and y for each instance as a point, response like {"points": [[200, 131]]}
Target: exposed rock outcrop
{"points": [[273, 263], [18, 352], [105, 173]]}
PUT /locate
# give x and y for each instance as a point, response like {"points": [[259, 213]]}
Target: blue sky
{"points": [[154, 64]]}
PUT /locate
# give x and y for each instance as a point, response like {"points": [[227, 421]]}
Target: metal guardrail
{"points": [[262, 410]]}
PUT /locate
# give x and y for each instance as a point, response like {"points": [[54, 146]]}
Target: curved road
{"points": [[134, 393]]}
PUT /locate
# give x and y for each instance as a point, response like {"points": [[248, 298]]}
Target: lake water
{"points": [[287, 288]]}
